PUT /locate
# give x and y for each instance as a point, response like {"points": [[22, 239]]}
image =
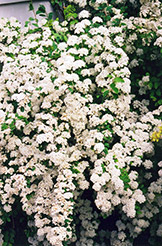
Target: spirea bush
{"points": [[80, 103]]}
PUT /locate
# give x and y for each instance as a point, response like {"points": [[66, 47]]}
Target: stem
{"points": [[33, 11]]}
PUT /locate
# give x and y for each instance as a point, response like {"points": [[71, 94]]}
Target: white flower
{"points": [[148, 164], [2, 115], [99, 147], [62, 46], [160, 164], [94, 178], [68, 195], [138, 196], [18, 97], [78, 64], [72, 40], [7, 208], [97, 19], [96, 186], [42, 22], [84, 14]]}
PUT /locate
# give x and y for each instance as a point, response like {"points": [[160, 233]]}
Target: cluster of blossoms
{"points": [[74, 138]]}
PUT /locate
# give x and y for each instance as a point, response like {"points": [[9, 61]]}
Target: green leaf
{"points": [[103, 168], [65, 38], [26, 23], [54, 45], [43, 15], [104, 216], [118, 80], [34, 24], [39, 88], [50, 16], [150, 85], [156, 84], [109, 8], [153, 98], [31, 6], [22, 109], [73, 22], [105, 93], [160, 102], [114, 88], [31, 18], [70, 89], [4, 243], [125, 178], [74, 170], [12, 125], [41, 9], [10, 55], [20, 117], [4, 126], [107, 145], [28, 196], [158, 92], [8, 219], [106, 151]]}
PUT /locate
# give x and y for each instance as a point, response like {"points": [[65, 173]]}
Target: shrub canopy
{"points": [[80, 105]]}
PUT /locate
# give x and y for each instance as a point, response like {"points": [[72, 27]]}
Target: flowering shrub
{"points": [[80, 100]]}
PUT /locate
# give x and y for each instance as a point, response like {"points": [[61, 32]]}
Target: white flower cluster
{"points": [[69, 125]]}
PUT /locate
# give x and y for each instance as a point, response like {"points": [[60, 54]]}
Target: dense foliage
{"points": [[80, 124]]}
